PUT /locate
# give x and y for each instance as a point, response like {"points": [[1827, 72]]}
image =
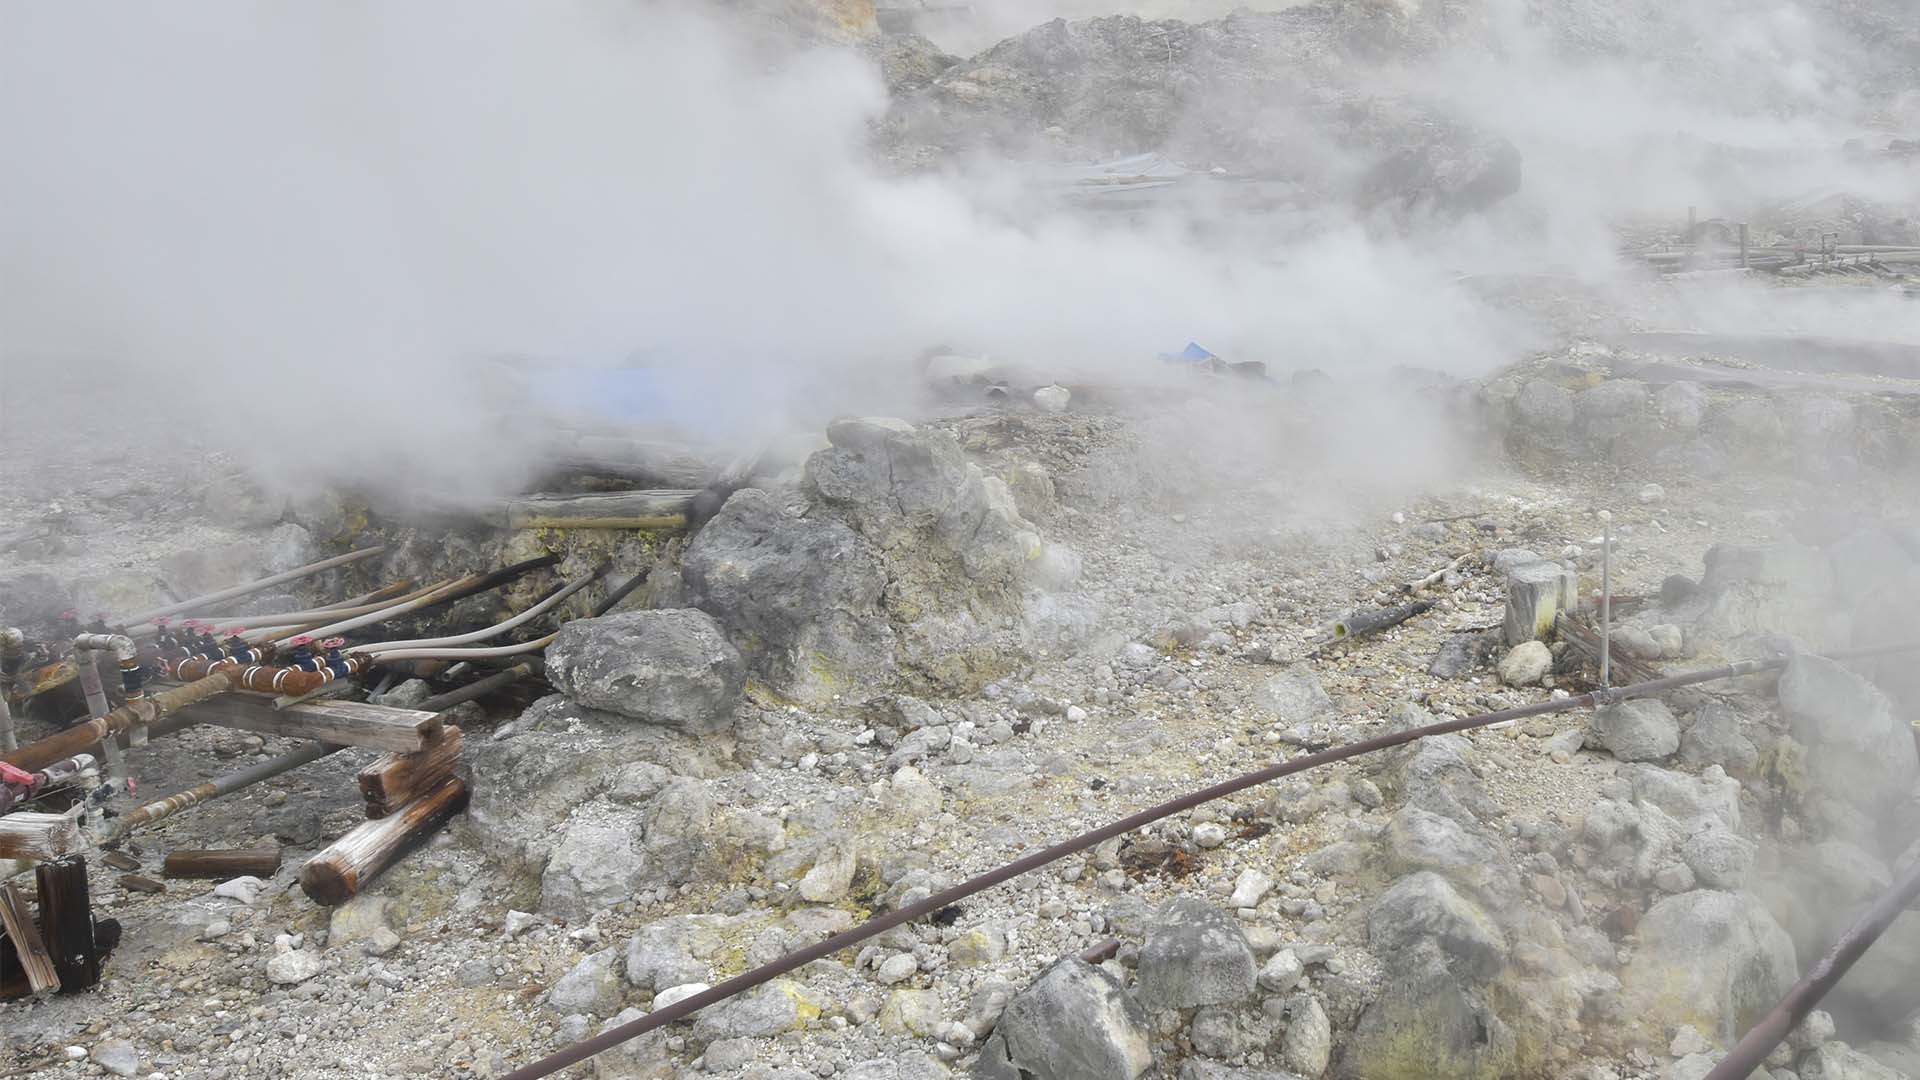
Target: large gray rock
{"points": [[800, 596], [600, 861], [1638, 730], [592, 987], [1857, 749], [1425, 905], [1307, 1044], [1838, 1061], [1195, 954], [1418, 839], [643, 1058], [760, 1013], [1295, 696], [670, 667], [1715, 735], [1074, 1023], [1196, 1069], [1716, 959], [1427, 1024], [679, 950]]}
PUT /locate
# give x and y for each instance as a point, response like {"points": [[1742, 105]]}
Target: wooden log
{"points": [[393, 780], [615, 510], [231, 863], [66, 922], [341, 723], [1536, 593], [337, 874], [140, 883], [639, 460], [38, 837], [24, 942], [119, 860]]}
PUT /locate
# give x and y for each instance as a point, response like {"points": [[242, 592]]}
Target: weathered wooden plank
{"points": [[38, 837], [231, 863], [614, 510], [393, 780], [337, 874], [66, 919], [342, 723], [23, 935]]}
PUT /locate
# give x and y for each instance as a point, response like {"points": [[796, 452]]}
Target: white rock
{"points": [[1282, 971], [1249, 888], [1052, 399], [678, 993], [1652, 493], [897, 968], [1526, 664], [519, 922], [293, 966], [244, 889], [1209, 835]]}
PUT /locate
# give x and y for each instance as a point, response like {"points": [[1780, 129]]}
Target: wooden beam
{"points": [[614, 510], [341, 723], [38, 837], [337, 874], [393, 780], [232, 863], [27, 946]]}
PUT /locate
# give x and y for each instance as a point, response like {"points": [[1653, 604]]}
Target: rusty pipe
{"points": [[1759, 1041], [586, 1048], [82, 738], [143, 619]]}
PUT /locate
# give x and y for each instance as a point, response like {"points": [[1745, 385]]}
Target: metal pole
{"points": [[1606, 598], [685, 1007], [253, 587], [1757, 1043]]}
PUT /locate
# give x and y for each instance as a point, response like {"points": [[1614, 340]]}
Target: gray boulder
{"points": [[1195, 954], [1426, 1023], [1717, 958], [592, 987], [1307, 1044], [1418, 839], [1638, 730], [1295, 696], [599, 862], [644, 1058], [1838, 1061], [1196, 1069], [760, 1013], [1425, 905], [1718, 858], [800, 596], [1074, 1023], [1716, 735], [671, 667]]}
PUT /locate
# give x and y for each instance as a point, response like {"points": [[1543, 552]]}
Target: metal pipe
{"points": [[364, 617], [13, 645], [685, 1007], [252, 587], [216, 787], [620, 594], [495, 630], [477, 688], [353, 605], [81, 738], [1759, 1041], [1606, 598]]}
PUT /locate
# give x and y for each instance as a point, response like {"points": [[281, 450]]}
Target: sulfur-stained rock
{"points": [[1074, 1023]]}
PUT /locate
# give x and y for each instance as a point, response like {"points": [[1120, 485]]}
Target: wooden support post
{"points": [[66, 920], [393, 780], [238, 862], [24, 942], [38, 837], [1536, 593], [342, 723], [337, 874], [618, 510]]}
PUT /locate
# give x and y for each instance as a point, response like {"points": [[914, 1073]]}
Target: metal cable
{"points": [[799, 958]]}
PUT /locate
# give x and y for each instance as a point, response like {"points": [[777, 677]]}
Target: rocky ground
{"points": [[940, 643]]}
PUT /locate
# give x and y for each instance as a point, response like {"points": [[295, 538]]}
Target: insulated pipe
{"points": [[687, 1006], [141, 620], [495, 630], [463, 654], [1826, 973], [379, 613], [81, 738], [352, 605], [477, 688], [216, 787], [447, 594]]}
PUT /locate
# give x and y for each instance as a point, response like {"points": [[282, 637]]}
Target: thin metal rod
{"points": [[220, 785], [252, 587], [1606, 598], [620, 594], [477, 688], [685, 1007], [1759, 1041]]}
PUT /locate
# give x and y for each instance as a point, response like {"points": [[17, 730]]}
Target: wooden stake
{"points": [[393, 780], [26, 944], [337, 874], [232, 863], [66, 918]]}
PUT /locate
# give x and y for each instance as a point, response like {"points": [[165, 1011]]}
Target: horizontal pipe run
{"points": [[435, 653], [354, 605], [455, 590], [251, 587], [368, 616], [477, 688], [685, 1007], [82, 738]]}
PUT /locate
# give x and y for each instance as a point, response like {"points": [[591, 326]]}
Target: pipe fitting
{"points": [[120, 645]]}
